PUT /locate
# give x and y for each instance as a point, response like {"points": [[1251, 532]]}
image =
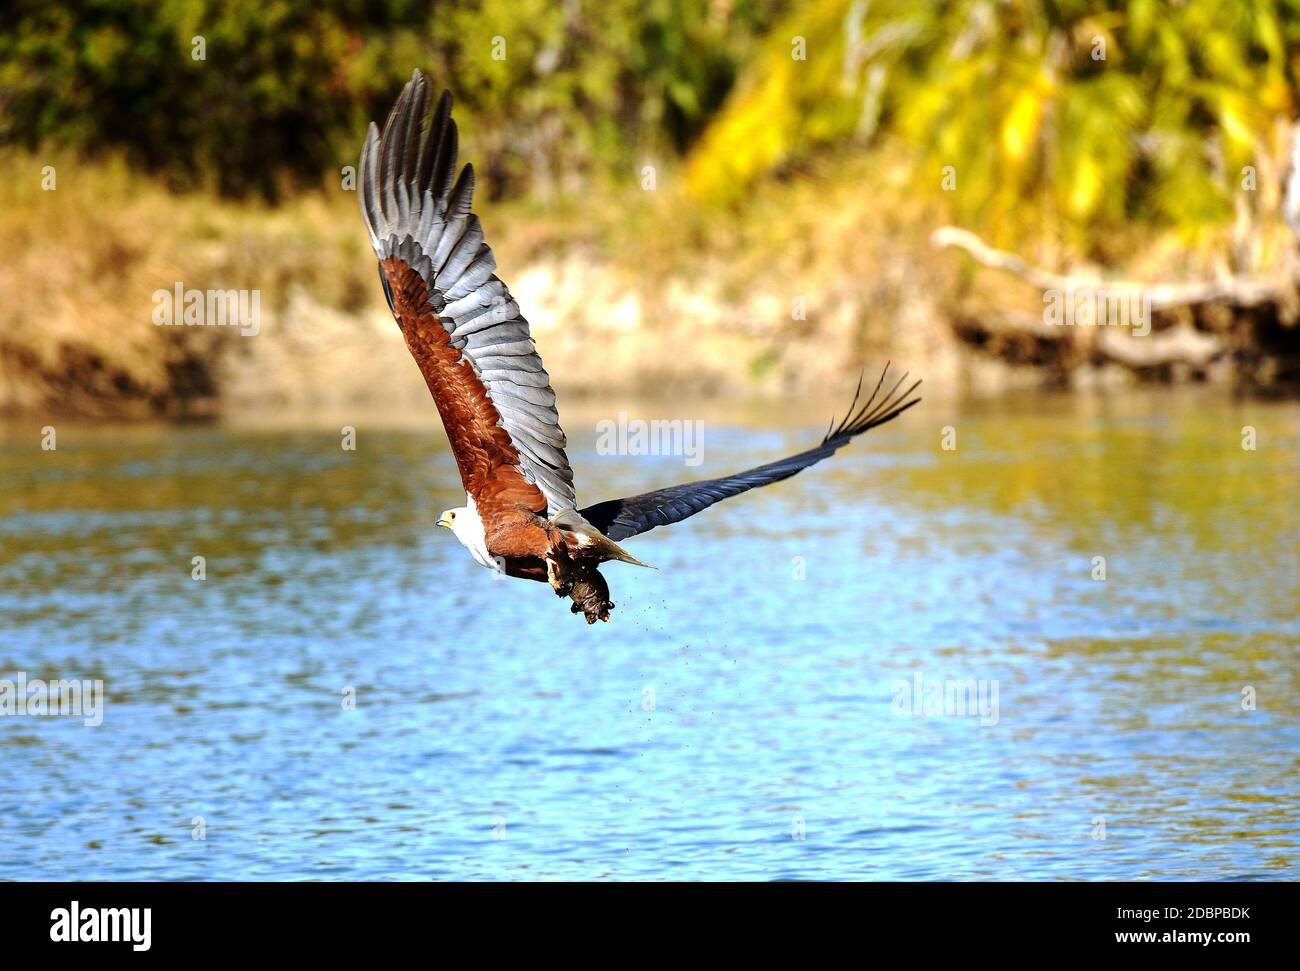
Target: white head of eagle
{"points": [[465, 523]]}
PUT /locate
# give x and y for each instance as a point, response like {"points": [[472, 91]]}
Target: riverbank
{"points": [[632, 291]]}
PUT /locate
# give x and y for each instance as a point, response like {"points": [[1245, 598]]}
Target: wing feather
{"points": [[620, 518], [462, 326]]}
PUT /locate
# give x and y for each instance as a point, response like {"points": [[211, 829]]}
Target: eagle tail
{"points": [[591, 538]]}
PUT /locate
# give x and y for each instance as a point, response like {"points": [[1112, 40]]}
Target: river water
{"points": [[903, 664]]}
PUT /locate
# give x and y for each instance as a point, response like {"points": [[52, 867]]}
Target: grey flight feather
{"points": [[413, 210]]}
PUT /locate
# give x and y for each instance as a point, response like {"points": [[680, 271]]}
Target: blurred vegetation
{"points": [[249, 96], [1078, 114], [1083, 114]]}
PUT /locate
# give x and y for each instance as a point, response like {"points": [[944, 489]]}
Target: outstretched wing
{"points": [[460, 323], [620, 518]]}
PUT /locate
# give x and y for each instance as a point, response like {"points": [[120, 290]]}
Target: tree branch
{"points": [[1239, 291]]}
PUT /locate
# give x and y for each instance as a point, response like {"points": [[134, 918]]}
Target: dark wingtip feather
{"points": [[875, 411]]}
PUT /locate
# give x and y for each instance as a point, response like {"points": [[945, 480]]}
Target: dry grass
{"points": [[631, 290], [84, 262]]}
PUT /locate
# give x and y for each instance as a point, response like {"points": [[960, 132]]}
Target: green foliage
{"points": [[274, 92], [286, 87], [557, 94], [1088, 111]]}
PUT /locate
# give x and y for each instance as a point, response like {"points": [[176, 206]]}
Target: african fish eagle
{"points": [[472, 344]]}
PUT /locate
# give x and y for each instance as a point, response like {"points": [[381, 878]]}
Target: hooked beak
{"points": [[444, 521]]}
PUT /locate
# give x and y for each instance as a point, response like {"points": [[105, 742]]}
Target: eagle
{"points": [[472, 344]]}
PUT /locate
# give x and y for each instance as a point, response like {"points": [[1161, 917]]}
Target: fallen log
{"points": [[1175, 343], [1239, 291]]}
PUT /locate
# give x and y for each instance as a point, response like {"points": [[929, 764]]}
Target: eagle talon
{"points": [[561, 585]]}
